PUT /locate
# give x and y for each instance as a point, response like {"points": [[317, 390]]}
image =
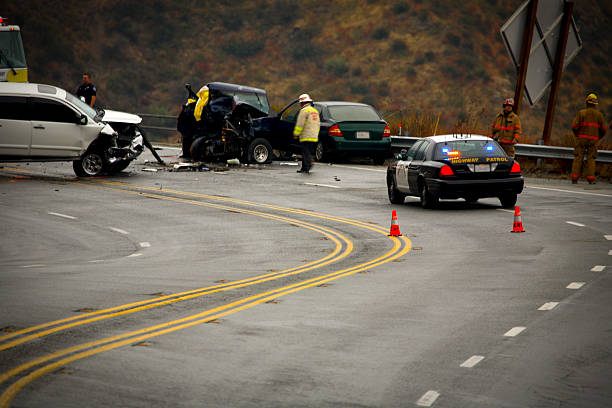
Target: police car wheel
{"points": [[508, 200], [428, 200], [395, 196], [260, 151]]}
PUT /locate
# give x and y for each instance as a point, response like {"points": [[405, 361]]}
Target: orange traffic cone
{"points": [[395, 231], [518, 221]]}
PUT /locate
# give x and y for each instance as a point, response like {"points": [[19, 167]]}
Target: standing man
{"points": [[506, 128], [87, 90], [307, 130], [589, 126]]}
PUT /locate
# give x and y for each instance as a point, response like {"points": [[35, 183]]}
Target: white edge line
{"points": [[70, 217], [577, 224], [515, 331], [598, 268], [472, 361], [569, 191], [119, 230], [321, 185], [360, 168], [575, 285], [548, 306], [428, 398]]}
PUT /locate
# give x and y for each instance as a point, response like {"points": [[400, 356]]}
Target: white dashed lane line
{"points": [[515, 331], [96, 261], [610, 252], [145, 244], [472, 361], [69, 217], [577, 224], [548, 306], [119, 230], [598, 268], [504, 210], [608, 237], [134, 255], [321, 185], [428, 399], [575, 285], [33, 266]]}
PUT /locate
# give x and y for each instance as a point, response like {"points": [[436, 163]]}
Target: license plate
{"points": [[362, 135], [482, 168]]}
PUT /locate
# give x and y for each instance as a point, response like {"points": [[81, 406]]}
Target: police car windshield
{"points": [[467, 149], [353, 113], [85, 108]]}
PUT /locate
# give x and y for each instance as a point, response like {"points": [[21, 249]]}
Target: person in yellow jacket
{"points": [[506, 128], [589, 126], [307, 131]]}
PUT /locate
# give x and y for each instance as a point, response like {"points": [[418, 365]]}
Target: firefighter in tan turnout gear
{"points": [[589, 126], [506, 128], [307, 131]]}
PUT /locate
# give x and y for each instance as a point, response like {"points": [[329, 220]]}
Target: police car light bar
{"points": [[4, 20]]}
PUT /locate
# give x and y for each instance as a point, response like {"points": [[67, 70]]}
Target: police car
{"points": [[454, 166]]}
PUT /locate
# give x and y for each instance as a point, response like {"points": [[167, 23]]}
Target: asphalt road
{"points": [[258, 286]]}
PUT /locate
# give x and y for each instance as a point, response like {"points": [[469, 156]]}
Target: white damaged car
{"points": [[45, 123]]}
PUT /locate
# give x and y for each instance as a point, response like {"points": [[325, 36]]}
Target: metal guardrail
{"points": [[526, 150], [404, 142]]}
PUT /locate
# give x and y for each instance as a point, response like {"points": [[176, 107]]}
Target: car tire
{"points": [[395, 196], [91, 164], [197, 149], [508, 200], [260, 151], [119, 166], [428, 199], [320, 152]]}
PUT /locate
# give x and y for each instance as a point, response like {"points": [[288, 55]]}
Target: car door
{"points": [[283, 126], [15, 127], [414, 167], [56, 131], [401, 169]]}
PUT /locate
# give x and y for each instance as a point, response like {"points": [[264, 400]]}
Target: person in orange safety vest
{"points": [[589, 126], [506, 128], [307, 131]]}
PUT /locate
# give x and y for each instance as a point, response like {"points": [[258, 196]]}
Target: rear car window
{"points": [[259, 101], [356, 113], [47, 110], [14, 108], [467, 149]]}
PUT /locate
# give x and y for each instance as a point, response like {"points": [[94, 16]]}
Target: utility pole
{"points": [[568, 8], [524, 59]]}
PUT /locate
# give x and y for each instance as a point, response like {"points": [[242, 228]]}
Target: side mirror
{"points": [[83, 119]]}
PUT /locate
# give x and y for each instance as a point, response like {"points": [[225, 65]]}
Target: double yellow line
{"points": [[400, 247]]}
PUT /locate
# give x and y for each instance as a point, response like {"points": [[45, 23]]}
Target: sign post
{"points": [[524, 58], [568, 8]]}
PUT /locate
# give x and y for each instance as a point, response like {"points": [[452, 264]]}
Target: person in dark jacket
{"points": [[87, 90]]}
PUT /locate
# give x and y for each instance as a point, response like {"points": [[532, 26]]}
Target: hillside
{"points": [[413, 60]]}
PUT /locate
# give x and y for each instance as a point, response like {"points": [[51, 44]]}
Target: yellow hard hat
{"points": [[592, 99]]}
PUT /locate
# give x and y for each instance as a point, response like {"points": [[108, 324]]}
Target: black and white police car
{"points": [[454, 166]]}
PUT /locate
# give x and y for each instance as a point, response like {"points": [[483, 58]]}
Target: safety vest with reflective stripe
{"points": [[506, 128], [589, 124], [307, 125]]}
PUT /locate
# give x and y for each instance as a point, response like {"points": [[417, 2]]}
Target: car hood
{"points": [[120, 117]]}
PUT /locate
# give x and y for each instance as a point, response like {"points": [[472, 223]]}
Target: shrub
{"points": [[453, 39], [401, 7], [358, 88], [242, 48], [398, 46], [380, 33], [336, 65]]}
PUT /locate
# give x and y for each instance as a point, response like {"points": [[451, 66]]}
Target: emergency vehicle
{"points": [[13, 66]]}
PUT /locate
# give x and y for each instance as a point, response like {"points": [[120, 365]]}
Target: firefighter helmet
{"points": [[305, 98], [592, 99], [509, 101]]}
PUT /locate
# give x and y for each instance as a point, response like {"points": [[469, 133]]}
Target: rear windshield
{"points": [[463, 149], [259, 101], [355, 113], [11, 50]]}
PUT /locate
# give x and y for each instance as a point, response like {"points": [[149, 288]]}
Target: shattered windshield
{"points": [[258, 101], [83, 107]]}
